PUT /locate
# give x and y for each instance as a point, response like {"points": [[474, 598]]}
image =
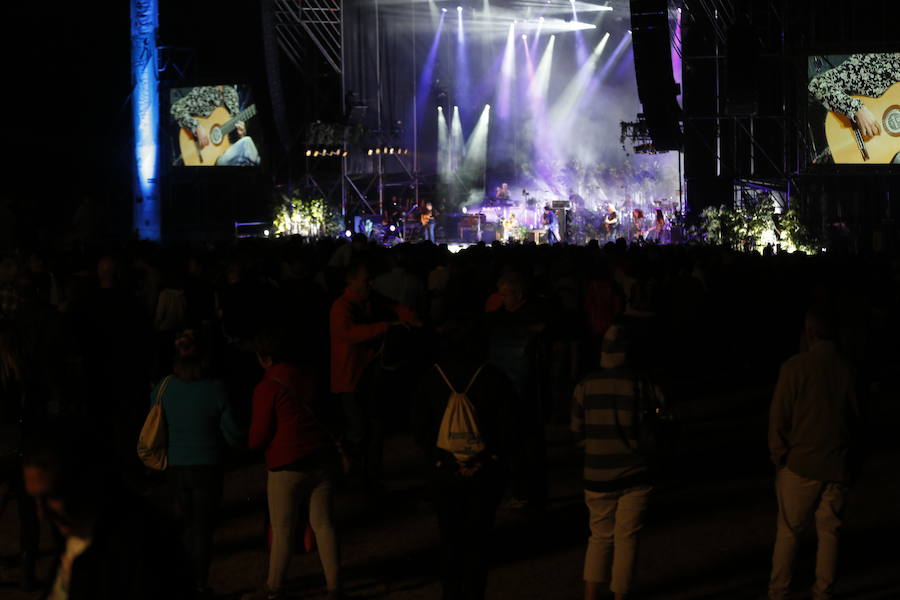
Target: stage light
{"points": [[487, 106], [309, 152], [377, 150], [392, 228], [443, 10], [316, 153], [465, 210], [459, 9], [541, 19], [348, 233], [346, 154], [440, 109], [385, 149], [370, 153], [266, 232], [391, 151], [524, 36]]}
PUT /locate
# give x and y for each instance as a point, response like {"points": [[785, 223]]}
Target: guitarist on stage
{"points": [[428, 222], [201, 101], [862, 75]]}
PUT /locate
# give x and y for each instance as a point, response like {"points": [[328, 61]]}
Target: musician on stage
{"points": [[862, 75], [200, 102], [659, 225], [637, 224], [611, 222], [428, 222], [503, 193], [551, 225]]}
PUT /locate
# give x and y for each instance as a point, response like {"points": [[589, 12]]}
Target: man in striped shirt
{"points": [[617, 479]]}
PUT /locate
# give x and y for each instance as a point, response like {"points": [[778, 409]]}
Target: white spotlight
{"points": [[459, 9], [443, 10], [348, 233], [440, 109], [393, 228], [524, 36], [465, 210]]}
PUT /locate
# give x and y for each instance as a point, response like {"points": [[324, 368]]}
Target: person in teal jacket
{"points": [[201, 425]]}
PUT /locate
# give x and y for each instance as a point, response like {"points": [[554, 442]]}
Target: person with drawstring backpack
{"points": [[460, 412]]}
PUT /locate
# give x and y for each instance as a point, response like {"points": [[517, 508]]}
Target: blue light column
{"points": [[145, 106]]}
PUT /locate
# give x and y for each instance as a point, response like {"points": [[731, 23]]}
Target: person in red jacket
{"points": [[303, 464], [358, 322]]}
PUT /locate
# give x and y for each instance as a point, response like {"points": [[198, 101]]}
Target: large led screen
{"points": [[854, 112], [212, 125]]}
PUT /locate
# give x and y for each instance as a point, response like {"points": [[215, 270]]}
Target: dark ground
{"points": [[709, 535]]}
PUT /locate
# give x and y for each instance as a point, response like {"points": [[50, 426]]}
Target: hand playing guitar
{"points": [[202, 136], [241, 129], [868, 124]]}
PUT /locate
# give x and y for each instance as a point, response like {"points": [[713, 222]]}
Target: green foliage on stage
{"points": [[312, 218], [755, 225]]}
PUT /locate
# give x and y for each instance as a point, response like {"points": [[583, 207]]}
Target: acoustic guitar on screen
{"points": [[219, 124], [848, 145]]}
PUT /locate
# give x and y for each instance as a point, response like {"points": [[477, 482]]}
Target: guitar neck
{"points": [[245, 114]]}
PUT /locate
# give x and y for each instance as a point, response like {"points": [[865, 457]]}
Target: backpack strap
{"points": [[447, 381], [471, 381], [161, 391]]}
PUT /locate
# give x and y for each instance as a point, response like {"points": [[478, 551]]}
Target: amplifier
{"points": [[558, 204]]}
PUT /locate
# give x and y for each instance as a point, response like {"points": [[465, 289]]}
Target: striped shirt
{"points": [[603, 418]]}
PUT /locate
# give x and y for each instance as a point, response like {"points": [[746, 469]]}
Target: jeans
{"points": [[242, 153], [288, 491], [197, 490], [799, 500], [616, 518], [552, 235], [429, 232], [466, 508]]}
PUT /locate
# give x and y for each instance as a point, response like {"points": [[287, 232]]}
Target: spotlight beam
{"points": [[507, 73]]}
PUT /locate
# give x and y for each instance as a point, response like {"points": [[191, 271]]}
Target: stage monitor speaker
{"points": [[657, 89]]}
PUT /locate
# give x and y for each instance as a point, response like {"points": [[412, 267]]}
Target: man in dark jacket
{"points": [[465, 494], [812, 426]]}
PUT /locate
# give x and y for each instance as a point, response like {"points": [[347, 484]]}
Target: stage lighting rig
{"points": [[637, 133]]}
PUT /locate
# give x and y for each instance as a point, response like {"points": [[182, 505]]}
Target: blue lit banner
{"points": [[145, 107], [212, 125]]}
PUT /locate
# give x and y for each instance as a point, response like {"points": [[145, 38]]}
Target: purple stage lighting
{"points": [[425, 80], [462, 62]]}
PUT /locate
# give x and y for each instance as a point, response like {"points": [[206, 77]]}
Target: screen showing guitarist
{"points": [[864, 99], [206, 115]]}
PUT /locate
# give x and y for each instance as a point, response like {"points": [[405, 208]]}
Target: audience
{"points": [[302, 460], [89, 332], [813, 440], [200, 424]]}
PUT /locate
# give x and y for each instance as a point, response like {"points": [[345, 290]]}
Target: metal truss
{"points": [[319, 20]]}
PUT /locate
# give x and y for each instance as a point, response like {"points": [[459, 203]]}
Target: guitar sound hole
{"points": [[215, 136], [892, 121]]}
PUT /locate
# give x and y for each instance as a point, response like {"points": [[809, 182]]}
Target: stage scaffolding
{"points": [[740, 130], [352, 37]]}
